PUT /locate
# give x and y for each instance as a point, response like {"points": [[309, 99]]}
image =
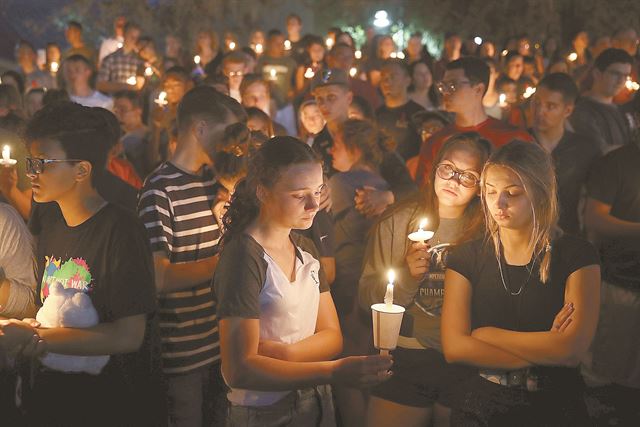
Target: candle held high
{"points": [[6, 159]]}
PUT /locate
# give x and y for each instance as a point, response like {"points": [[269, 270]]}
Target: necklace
{"points": [[504, 284]]}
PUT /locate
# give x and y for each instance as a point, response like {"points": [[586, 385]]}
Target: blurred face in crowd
{"points": [[341, 57], [463, 93], [627, 41], [257, 95], [506, 198], [131, 37], [76, 73], [312, 119], [549, 109], [147, 51], [127, 113], [25, 56], [258, 124], [53, 54], [414, 47], [33, 102], [275, 46], [528, 69], [343, 158], [451, 192], [511, 92], [257, 37], [73, 35], [515, 67], [333, 102], [235, 72], [172, 46], [394, 82], [611, 81], [581, 41], [316, 53], [385, 47], [452, 46], [175, 88], [430, 127], [422, 78], [118, 26], [524, 46], [293, 27]]}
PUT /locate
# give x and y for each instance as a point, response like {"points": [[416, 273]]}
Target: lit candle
{"points": [[196, 59], [232, 45], [132, 80], [388, 296], [308, 74], [287, 45], [6, 157], [358, 54], [119, 45], [273, 74], [148, 71], [505, 52], [477, 40], [572, 56], [162, 99], [258, 48], [353, 71], [400, 55], [421, 235], [529, 91], [631, 85], [54, 67], [393, 55], [329, 42], [502, 100]]}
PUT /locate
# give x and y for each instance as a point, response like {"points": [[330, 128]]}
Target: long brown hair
{"points": [[535, 169]]}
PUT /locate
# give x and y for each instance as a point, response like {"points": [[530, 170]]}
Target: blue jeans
{"points": [[305, 408], [197, 398]]}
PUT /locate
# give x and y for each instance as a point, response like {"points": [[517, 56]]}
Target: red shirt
{"points": [[494, 130], [125, 171]]}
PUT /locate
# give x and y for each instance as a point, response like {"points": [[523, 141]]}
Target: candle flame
{"points": [[353, 71], [148, 71], [572, 56], [309, 73], [259, 48], [287, 45], [358, 54], [196, 59], [423, 223], [391, 275], [54, 67], [631, 85], [232, 45], [132, 81]]}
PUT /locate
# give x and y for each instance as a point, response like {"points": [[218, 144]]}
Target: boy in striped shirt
{"points": [[175, 206]]}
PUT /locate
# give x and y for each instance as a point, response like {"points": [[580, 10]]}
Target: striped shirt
{"points": [[176, 210]]}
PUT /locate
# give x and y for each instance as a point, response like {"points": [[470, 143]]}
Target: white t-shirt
{"points": [[96, 99], [109, 46]]}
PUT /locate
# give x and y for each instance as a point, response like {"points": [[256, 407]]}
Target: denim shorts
{"points": [[305, 408]]}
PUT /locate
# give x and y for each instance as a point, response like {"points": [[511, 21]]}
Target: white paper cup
{"points": [[386, 325]]}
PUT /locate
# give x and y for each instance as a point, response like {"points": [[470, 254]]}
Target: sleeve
{"points": [[583, 123], [394, 171], [462, 258], [130, 273], [342, 194], [576, 253], [307, 245], [386, 249], [156, 213], [238, 280], [604, 180], [322, 234]]}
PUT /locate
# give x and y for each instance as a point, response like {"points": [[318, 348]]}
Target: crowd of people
{"points": [[232, 212]]}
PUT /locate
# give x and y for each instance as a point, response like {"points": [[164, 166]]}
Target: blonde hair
{"points": [[535, 169]]}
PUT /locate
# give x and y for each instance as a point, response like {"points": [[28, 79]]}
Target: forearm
{"points": [[268, 374], [110, 87], [17, 300], [177, 277], [541, 348], [323, 345], [471, 351], [610, 226], [102, 339], [21, 201]]}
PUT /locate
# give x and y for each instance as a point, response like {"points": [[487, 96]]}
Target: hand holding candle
{"points": [[387, 319], [6, 157], [421, 235]]}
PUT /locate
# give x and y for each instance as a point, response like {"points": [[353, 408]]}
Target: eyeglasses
{"points": [[466, 179], [235, 74], [447, 88], [36, 166]]}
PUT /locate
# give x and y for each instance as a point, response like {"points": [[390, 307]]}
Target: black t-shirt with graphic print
{"points": [[108, 257]]}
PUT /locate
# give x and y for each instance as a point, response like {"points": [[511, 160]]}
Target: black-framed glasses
{"points": [[36, 166], [466, 179], [446, 88]]}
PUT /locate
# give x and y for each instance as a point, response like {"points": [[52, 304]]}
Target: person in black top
{"points": [[572, 154], [100, 249], [522, 305]]}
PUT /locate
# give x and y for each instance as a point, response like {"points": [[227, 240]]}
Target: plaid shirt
{"points": [[119, 66]]}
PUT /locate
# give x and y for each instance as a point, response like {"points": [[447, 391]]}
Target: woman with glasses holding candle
{"points": [[424, 385], [522, 304], [278, 326]]}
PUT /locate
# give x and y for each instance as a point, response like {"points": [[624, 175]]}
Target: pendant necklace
{"points": [[504, 284]]}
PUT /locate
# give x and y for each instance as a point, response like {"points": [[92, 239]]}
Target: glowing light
{"points": [[273, 74], [423, 224], [400, 55], [477, 40], [162, 99], [528, 92], [631, 85], [381, 19], [196, 59], [54, 67], [502, 100], [329, 42], [287, 45], [505, 52], [572, 56], [393, 55], [232, 45], [132, 81], [358, 54], [308, 74], [6, 159], [119, 45], [353, 71], [148, 71], [258, 48]]}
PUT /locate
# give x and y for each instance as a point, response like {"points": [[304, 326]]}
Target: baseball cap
{"points": [[330, 76]]}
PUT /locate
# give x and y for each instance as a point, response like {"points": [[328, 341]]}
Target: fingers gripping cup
{"points": [[387, 318]]}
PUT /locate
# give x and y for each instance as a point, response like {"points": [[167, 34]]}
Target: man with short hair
{"points": [[395, 116], [450, 52], [627, 40], [175, 206], [573, 154], [33, 76], [277, 68], [595, 113], [294, 35], [234, 66], [111, 44], [77, 72], [73, 34], [127, 107], [463, 87], [122, 69], [342, 57], [256, 92]]}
